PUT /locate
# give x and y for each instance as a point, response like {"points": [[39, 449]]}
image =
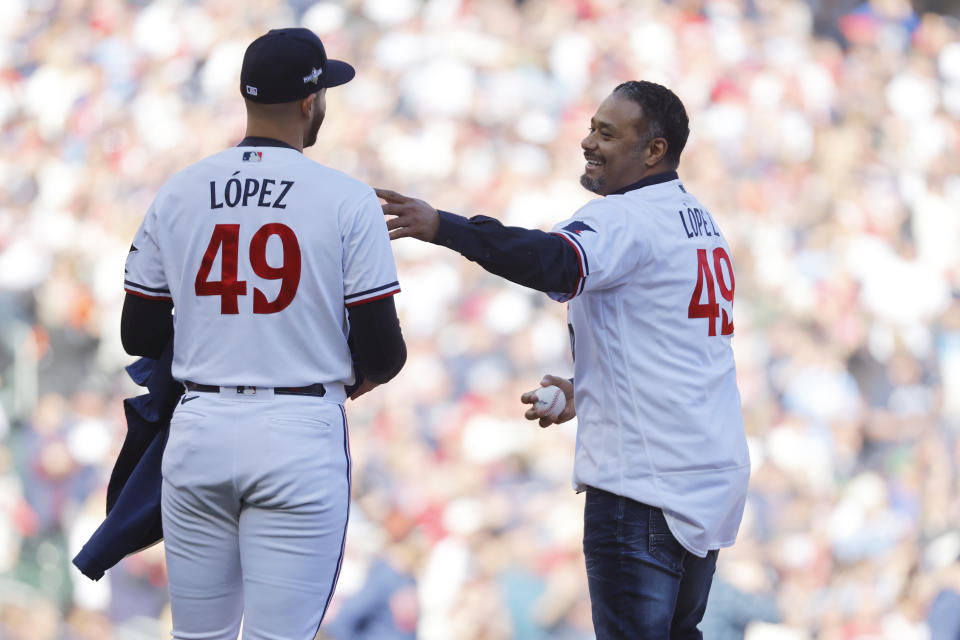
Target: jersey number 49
{"points": [[711, 310], [226, 238]]}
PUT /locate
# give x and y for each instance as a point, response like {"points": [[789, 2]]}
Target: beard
{"points": [[594, 185], [311, 136]]}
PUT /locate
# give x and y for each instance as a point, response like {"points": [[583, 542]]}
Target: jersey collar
{"points": [[656, 178], [259, 141]]}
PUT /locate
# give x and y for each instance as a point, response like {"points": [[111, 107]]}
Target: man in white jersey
{"points": [[280, 273], [661, 450]]}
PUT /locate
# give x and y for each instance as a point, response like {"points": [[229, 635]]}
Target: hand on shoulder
{"points": [[413, 218]]}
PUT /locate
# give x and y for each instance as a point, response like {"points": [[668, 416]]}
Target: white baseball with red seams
{"points": [[550, 400]]}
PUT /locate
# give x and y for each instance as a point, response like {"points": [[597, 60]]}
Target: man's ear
{"points": [[306, 105], [655, 152]]}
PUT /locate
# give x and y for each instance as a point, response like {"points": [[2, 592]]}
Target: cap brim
{"points": [[337, 72]]}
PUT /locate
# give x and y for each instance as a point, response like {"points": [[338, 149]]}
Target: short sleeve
{"points": [[607, 246], [369, 271], [144, 275]]}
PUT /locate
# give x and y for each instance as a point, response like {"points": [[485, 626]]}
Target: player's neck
{"points": [[293, 136], [640, 178], [656, 170]]}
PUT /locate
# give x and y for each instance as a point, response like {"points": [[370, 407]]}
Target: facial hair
{"points": [[594, 185], [315, 123]]}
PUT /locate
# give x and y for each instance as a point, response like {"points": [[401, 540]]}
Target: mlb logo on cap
{"points": [[252, 156]]}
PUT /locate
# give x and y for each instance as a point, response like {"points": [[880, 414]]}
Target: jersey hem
{"points": [[700, 553]]}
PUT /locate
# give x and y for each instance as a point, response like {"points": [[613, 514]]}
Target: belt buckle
{"points": [[246, 391]]}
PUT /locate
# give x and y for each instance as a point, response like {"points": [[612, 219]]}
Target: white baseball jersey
{"points": [[655, 382], [261, 249]]}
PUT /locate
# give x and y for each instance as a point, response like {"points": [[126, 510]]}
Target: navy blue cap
{"points": [[284, 65]]}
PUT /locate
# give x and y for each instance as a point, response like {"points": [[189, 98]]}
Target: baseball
{"points": [[550, 400]]}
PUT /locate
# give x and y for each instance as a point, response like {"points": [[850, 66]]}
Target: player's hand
{"points": [[414, 218], [365, 386], [530, 397]]}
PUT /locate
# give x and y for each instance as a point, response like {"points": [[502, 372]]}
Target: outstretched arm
{"points": [[531, 258]]}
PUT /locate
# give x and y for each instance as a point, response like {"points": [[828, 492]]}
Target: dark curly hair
{"points": [[663, 112]]}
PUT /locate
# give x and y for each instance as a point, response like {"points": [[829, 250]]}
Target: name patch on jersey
{"points": [[252, 156], [578, 227], [699, 221], [261, 191]]}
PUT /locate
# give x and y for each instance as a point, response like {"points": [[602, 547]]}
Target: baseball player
{"points": [[275, 266], [661, 451]]}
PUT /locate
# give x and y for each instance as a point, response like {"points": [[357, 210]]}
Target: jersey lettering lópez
{"points": [[261, 249]]}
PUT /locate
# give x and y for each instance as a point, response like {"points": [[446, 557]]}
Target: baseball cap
{"points": [[284, 65]]}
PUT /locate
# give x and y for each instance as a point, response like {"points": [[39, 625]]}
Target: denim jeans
{"points": [[643, 584]]}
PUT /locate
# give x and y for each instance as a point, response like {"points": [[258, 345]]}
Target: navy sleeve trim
{"points": [[573, 238], [536, 259], [374, 290], [584, 270], [143, 288], [139, 294]]}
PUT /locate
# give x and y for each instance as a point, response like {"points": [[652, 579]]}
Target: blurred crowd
{"points": [[825, 139]]}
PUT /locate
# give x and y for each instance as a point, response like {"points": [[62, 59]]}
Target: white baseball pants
{"points": [[255, 501]]}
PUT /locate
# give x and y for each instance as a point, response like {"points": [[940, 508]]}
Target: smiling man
{"points": [[661, 451]]}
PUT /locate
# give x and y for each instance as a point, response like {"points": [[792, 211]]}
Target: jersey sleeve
{"points": [[606, 245], [528, 257], [369, 271], [144, 275]]}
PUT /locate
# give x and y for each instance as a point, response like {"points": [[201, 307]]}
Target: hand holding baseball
{"points": [[414, 218], [544, 407]]}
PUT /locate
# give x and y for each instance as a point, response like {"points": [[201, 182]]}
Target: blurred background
{"points": [[825, 141]]}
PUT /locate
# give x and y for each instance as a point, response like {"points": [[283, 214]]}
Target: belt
{"points": [[316, 389]]}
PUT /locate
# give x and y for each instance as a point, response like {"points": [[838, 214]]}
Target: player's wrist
{"points": [[445, 226]]}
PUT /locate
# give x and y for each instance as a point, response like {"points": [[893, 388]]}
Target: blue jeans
{"points": [[643, 584]]}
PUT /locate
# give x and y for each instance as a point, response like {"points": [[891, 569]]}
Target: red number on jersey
{"points": [[711, 310], [719, 256], [229, 288], [288, 273], [696, 309]]}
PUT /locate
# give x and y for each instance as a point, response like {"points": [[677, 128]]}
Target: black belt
{"points": [[316, 389]]}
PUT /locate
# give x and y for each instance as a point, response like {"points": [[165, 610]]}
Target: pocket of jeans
{"points": [[661, 543], [665, 549], [599, 522]]}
